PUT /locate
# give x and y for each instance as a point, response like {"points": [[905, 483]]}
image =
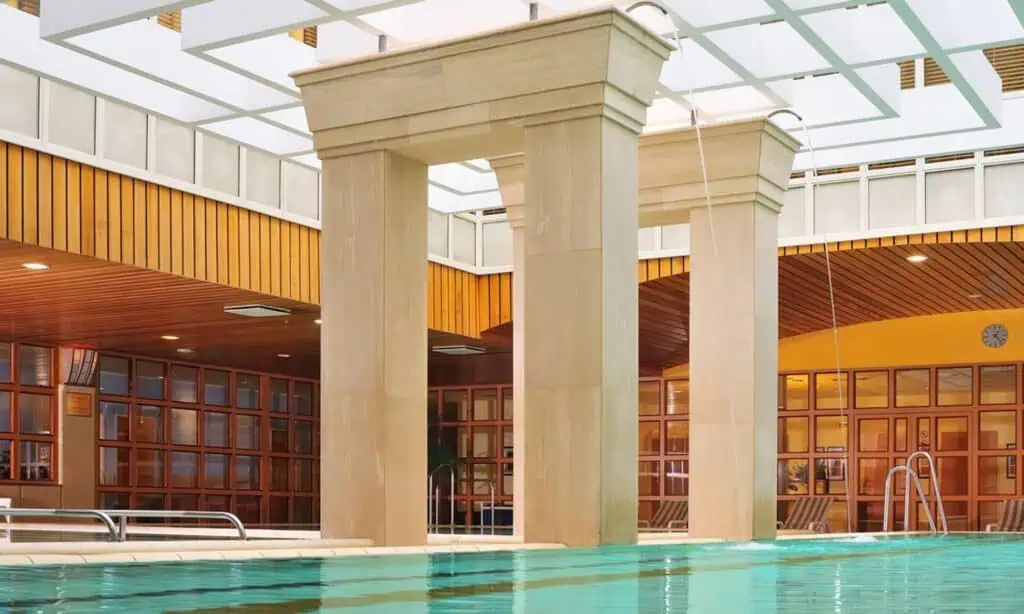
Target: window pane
{"points": [[114, 467], [677, 436], [184, 384], [454, 405], [5, 459], [304, 475], [149, 379], [650, 438], [649, 479], [792, 477], [830, 476], [217, 503], [827, 389], [795, 389], [185, 427], [247, 436], [303, 398], [874, 435], [952, 435], [830, 433], [507, 404], [485, 442], [997, 475], [872, 389], [216, 385], [677, 478], [216, 429], [998, 384], [650, 398], [871, 475], [34, 365], [5, 412], [5, 363], [279, 395], [35, 413], [677, 397], [247, 472], [184, 502], [247, 507], [114, 421], [35, 461], [114, 375], [215, 470], [247, 391], [955, 385], [303, 512], [279, 435], [149, 467], [794, 435], [184, 469], [997, 430], [150, 427], [485, 404], [913, 388], [279, 474], [115, 501], [304, 438], [953, 475], [901, 435]]}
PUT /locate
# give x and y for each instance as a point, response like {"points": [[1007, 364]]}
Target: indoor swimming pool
{"points": [[859, 575]]}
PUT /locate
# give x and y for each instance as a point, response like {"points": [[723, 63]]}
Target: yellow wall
{"points": [[926, 340]]}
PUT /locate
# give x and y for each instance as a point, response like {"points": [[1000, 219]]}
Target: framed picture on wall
{"points": [[506, 468], [1011, 463], [836, 470]]}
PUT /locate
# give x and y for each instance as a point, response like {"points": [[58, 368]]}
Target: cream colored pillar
{"points": [[374, 349]]}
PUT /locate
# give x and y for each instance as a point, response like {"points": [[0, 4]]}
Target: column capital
{"points": [[510, 172], [471, 97], [747, 162]]}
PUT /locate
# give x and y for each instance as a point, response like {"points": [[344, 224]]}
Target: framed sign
{"points": [[78, 404]]}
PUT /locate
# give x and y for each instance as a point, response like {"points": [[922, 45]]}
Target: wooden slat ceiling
{"points": [[870, 284]]}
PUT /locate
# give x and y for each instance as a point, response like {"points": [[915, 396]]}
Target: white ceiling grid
{"points": [[833, 61]]}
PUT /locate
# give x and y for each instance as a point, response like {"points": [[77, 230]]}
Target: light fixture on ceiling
{"points": [[917, 258], [185, 351], [170, 337], [974, 297], [282, 355], [257, 311], [36, 266], [459, 350], [318, 321]]}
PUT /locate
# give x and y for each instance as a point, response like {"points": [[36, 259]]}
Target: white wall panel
{"points": [[675, 237], [464, 241], [647, 239], [263, 178], [891, 201], [1004, 190], [19, 101], [949, 196], [837, 207], [174, 150], [124, 134], [497, 244], [792, 217], [220, 164], [437, 238], [72, 118], [300, 191]]}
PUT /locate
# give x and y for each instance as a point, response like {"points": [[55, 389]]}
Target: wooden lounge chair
{"points": [[808, 514], [1011, 519], [671, 515]]}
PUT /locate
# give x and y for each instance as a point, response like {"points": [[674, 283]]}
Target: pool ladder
{"points": [[910, 474]]}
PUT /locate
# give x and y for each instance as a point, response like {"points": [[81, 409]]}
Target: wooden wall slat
{"points": [[286, 250], [222, 244], [294, 261], [74, 202], [314, 267], [46, 200], [164, 229], [30, 197], [177, 234], [267, 264], [114, 216], [254, 250], [274, 272], [100, 215], [303, 264], [3, 190], [211, 240], [88, 211], [14, 192], [188, 244], [200, 236], [127, 220], [60, 203], [233, 263], [139, 208], [244, 267], [152, 227]]}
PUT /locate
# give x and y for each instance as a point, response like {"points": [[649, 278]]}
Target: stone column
{"points": [[374, 349], [580, 333]]}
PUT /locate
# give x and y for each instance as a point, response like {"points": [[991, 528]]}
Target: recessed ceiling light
{"points": [[318, 321], [170, 337], [974, 297], [284, 355], [36, 266], [917, 258], [185, 351], [458, 350]]}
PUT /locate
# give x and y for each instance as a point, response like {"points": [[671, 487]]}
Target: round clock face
{"points": [[995, 336]]}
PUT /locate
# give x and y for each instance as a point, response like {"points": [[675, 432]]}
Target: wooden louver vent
{"points": [[907, 75], [933, 73], [1009, 65], [949, 158], [877, 166], [307, 36], [29, 6], [170, 20]]}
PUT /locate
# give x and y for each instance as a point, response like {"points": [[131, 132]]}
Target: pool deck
{"points": [[277, 544]]}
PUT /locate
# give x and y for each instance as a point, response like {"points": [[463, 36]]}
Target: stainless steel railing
{"points": [[911, 475], [434, 500], [16, 512], [122, 517]]}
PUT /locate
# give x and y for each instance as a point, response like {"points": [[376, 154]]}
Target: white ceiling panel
{"points": [[261, 135]]}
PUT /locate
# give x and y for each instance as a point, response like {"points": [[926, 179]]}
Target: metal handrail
{"points": [[434, 497], [123, 516], [911, 474], [490, 485], [55, 513]]}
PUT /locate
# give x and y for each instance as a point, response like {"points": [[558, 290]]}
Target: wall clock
{"points": [[995, 336]]}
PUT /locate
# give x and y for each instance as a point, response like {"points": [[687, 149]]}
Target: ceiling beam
{"points": [[66, 18]]}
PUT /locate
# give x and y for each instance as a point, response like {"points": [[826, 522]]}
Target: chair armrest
{"points": [[779, 524], [643, 524], [681, 524], [990, 528], [818, 527]]}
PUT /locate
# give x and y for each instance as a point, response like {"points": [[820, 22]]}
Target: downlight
{"points": [[459, 350], [257, 311]]}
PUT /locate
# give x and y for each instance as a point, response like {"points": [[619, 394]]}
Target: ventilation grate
{"points": [[933, 73], [170, 20], [877, 166], [907, 75], [838, 171], [949, 158], [1009, 65], [306, 36]]}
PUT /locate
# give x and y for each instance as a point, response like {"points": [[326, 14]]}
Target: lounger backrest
{"points": [[805, 511], [1012, 518], [669, 511]]}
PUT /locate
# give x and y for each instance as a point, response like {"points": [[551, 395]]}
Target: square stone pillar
{"points": [[373, 357]]}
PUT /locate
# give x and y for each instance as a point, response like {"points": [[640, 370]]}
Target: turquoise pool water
{"points": [[954, 574]]}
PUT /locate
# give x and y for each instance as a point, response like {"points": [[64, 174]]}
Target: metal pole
{"points": [[382, 43], [534, 11], [430, 492], [907, 496], [492, 508], [451, 502]]}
